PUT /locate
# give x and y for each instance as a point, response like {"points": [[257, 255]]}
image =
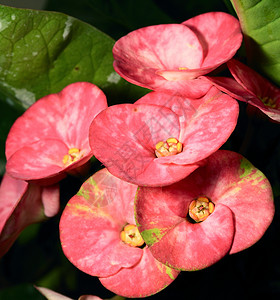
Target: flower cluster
{"points": [[48, 141], [99, 235], [175, 57], [141, 135], [51, 138], [168, 200], [223, 207]]}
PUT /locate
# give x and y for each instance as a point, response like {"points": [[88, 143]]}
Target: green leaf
{"points": [[9, 112], [41, 52], [260, 22]]}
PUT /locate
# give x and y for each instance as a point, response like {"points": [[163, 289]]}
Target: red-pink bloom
{"points": [[129, 139], [22, 204], [250, 87], [223, 207], [99, 236], [51, 137], [173, 57]]}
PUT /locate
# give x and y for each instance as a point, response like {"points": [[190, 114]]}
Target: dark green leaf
{"points": [[117, 18], [42, 52], [114, 17], [260, 21]]}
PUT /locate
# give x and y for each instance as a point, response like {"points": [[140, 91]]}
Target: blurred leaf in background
{"points": [[42, 52], [260, 22], [117, 18]]}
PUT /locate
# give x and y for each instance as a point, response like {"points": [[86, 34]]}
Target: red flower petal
{"points": [[65, 117], [103, 190], [250, 87], [206, 123], [220, 36], [154, 48], [258, 86], [156, 57], [191, 247], [50, 200], [250, 80], [230, 179], [232, 88], [91, 224], [243, 211], [20, 206], [250, 198], [42, 159], [162, 217], [123, 138], [90, 229], [11, 191], [132, 282]]}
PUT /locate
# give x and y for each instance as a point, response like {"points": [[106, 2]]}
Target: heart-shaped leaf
{"points": [[41, 52], [260, 22]]}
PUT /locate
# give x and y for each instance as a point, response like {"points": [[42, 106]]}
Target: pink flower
{"points": [[223, 207], [250, 87], [99, 236], [51, 137], [173, 57], [22, 204], [162, 138]]}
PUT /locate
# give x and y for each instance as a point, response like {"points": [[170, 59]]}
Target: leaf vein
{"points": [[254, 5], [266, 24]]}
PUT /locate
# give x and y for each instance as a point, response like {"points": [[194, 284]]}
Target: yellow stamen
{"points": [[200, 209], [170, 147], [211, 207], [172, 140], [179, 147], [73, 155], [269, 102], [73, 150], [131, 236], [158, 145]]}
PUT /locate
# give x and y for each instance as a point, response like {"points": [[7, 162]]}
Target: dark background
{"points": [[37, 258]]}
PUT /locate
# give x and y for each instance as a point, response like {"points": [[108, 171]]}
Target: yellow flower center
{"points": [[200, 209], [131, 236], [73, 155], [170, 147], [269, 102]]}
